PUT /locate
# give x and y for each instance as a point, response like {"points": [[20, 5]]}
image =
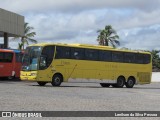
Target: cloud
{"points": [[140, 19], [146, 38], [61, 26], [76, 5], [82, 27], [76, 21]]}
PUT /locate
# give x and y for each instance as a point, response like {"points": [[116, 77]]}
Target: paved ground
{"points": [[28, 96]]}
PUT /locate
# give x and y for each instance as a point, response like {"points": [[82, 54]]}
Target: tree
{"points": [[20, 45], [27, 36], [108, 35], [155, 60]]}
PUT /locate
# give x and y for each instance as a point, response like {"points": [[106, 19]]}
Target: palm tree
{"points": [[20, 45], [108, 35], [27, 36]]}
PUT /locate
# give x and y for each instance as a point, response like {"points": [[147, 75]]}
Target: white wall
{"points": [[155, 76]]}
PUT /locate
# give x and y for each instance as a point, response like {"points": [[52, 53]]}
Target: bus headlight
{"points": [[33, 74]]}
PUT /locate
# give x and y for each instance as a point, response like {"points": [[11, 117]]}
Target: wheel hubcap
{"points": [[57, 80], [120, 83], [130, 82]]}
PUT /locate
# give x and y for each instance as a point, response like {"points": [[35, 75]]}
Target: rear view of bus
{"points": [[10, 63], [57, 63], [6, 63]]}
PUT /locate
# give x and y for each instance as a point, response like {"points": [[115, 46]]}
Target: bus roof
{"points": [[10, 50], [6, 50], [16, 51], [90, 46], [73, 45]]}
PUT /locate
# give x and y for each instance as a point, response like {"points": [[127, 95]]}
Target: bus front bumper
{"points": [[28, 75]]}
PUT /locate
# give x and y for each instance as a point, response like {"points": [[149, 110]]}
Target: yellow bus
{"points": [[57, 63]]}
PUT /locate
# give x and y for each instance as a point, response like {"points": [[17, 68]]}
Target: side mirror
{"points": [[43, 62]]}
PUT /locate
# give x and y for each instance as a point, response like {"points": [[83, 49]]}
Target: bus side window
{"points": [[129, 57], [1, 56], [62, 52], [8, 57], [91, 54], [77, 53], [66, 53], [139, 58], [58, 52], [117, 56], [19, 57], [105, 55], [146, 58]]}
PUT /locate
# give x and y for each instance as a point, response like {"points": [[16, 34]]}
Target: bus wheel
{"points": [[104, 84], [56, 80], [130, 82], [120, 82], [114, 85], [41, 83], [10, 77]]}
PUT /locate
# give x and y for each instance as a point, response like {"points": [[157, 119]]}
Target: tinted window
{"points": [[77, 53], [105, 56], [129, 57], [1, 55], [147, 59], [62, 52], [48, 51], [6, 57], [91, 54], [139, 58], [19, 57], [117, 56]]}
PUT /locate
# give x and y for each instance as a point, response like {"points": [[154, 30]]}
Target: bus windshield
{"points": [[31, 58]]}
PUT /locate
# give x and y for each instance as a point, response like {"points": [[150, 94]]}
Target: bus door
{"points": [[62, 61], [45, 64]]}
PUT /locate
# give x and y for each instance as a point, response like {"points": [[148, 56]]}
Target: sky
{"points": [[137, 22]]}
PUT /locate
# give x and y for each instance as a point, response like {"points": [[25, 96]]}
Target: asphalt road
{"points": [[28, 96]]}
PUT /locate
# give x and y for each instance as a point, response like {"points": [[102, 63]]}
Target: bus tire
{"points": [[130, 82], [57, 80], [120, 82], [10, 77], [114, 85], [104, 84], [42, 83]]}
